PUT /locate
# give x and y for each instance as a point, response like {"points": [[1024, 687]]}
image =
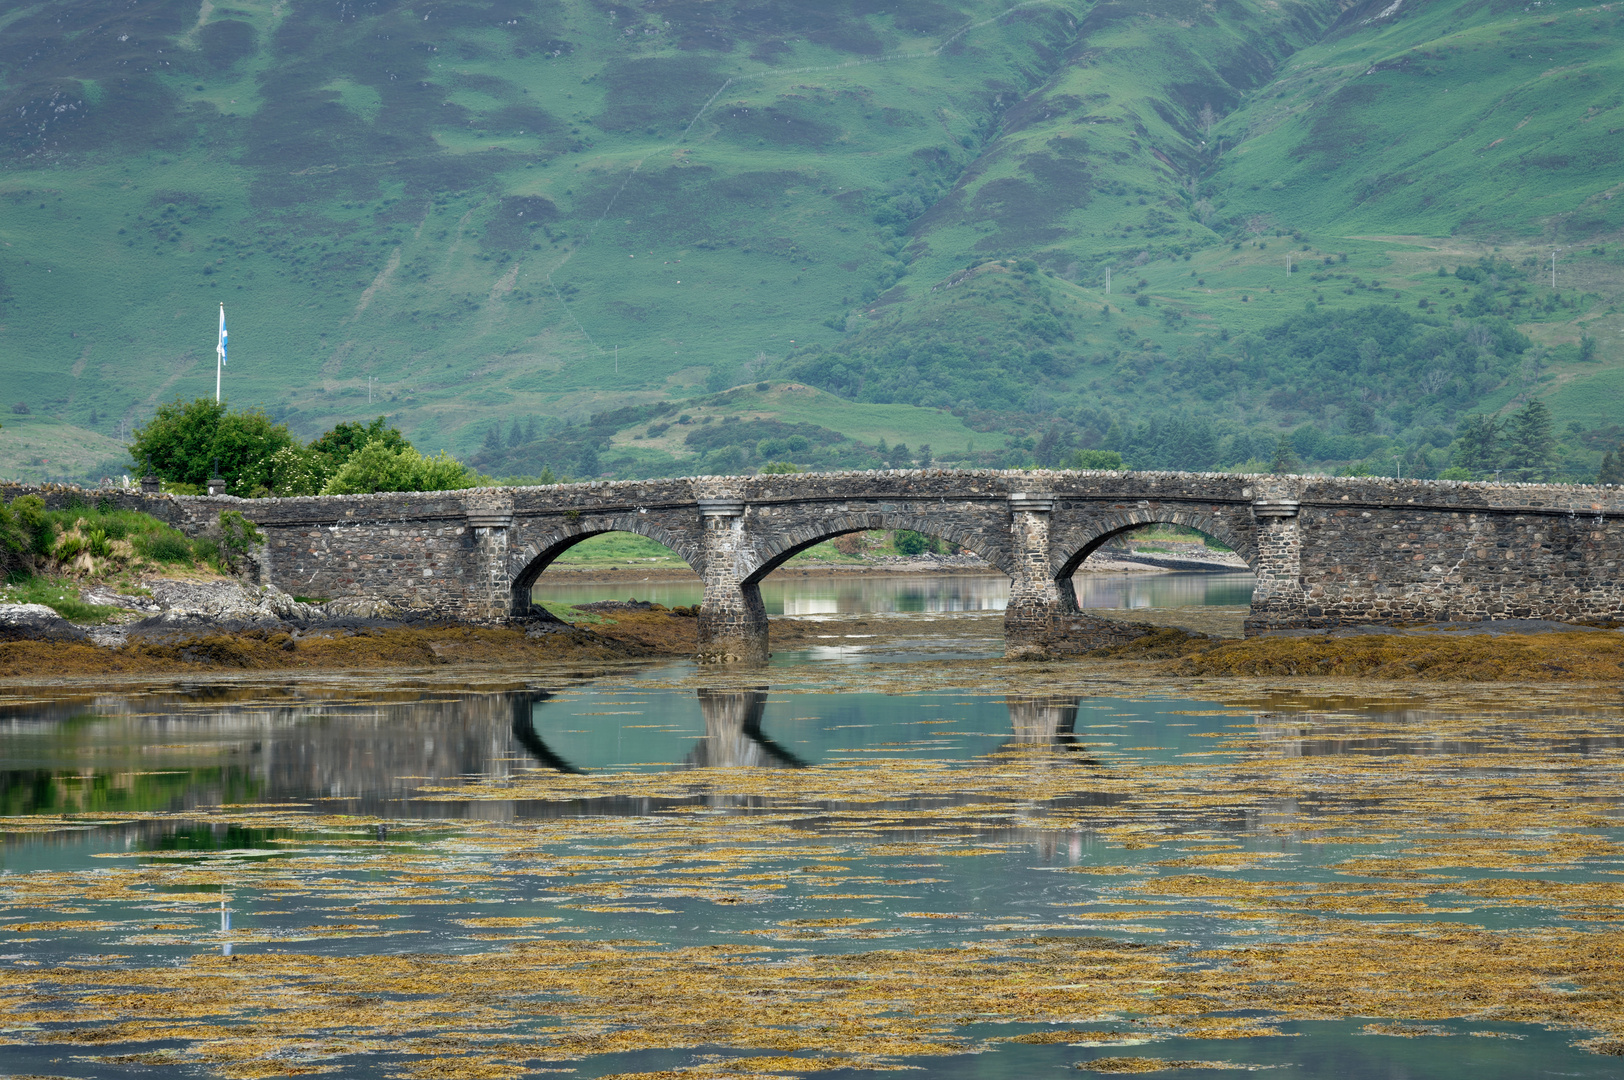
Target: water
{"points": [[785, 594], [621, 872]]}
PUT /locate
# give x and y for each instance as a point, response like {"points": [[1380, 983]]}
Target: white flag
{"points": [[220, 349]]}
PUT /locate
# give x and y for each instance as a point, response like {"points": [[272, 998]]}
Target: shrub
{"points": [[31, 519], [237, 536], [376, 467], [164, 545], [1095, 459], [911, 543]]}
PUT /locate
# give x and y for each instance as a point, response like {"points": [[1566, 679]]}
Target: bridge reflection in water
{"points": [[734, 738], [176, 752]]}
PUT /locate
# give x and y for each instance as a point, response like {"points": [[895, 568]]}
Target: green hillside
{"points": [[495, 220]]}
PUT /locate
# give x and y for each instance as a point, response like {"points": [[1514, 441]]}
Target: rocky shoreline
{"points": [[173, 610]]}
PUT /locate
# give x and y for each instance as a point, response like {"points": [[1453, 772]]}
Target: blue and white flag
{"points": [[220, 349]]}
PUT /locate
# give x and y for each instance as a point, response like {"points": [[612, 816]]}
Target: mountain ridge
{"points": [[497, 211]]}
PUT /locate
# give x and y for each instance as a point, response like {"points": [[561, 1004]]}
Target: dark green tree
{"points": [[1612, 466], [1531, 444], [1477, 448], [1285, 457], [185, 440], [340, 444]]}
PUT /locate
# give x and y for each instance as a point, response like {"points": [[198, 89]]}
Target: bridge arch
{"points": [[1105, 527], [779, 548], [540, 551]]}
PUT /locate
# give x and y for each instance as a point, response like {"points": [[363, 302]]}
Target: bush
{"points": [[164, 545], [377, 467], [1095, 459], [911, 543], [237, 537], [31, 519]]}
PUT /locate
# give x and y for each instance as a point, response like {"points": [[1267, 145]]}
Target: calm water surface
{"points": [[785, 594], [777, 824]]}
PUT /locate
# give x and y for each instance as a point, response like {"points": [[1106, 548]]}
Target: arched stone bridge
{"points": [[1325, 551]]}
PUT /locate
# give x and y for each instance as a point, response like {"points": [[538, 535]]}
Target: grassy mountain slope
{"points": [[538, 210]]}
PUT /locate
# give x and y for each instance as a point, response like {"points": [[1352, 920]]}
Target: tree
{"points": [[1095, 459], [298, 470], [1612, 466], [1285, 457], [185, 442], [345, 439], [378, 467], [1207, 118], [1477, 448], [1048, 448], [1531, 444]]}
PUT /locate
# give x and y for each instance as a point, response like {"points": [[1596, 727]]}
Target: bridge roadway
{"points": [[1325, 551]]}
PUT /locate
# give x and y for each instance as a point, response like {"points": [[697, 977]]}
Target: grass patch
{"points": [[60, 596], [619, 549]]}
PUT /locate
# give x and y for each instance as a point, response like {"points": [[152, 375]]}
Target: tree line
{"points": [[189, 442]]}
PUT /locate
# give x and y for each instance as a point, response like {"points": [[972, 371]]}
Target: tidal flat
{"points": [[966, 867]]}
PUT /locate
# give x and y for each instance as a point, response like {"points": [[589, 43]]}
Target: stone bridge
{"points": [[1325, 551]]}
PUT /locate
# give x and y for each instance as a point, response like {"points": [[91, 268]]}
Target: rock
{"points": [[359, 607], [108, 637], [226, 601], [108, 598], [35, 622]]}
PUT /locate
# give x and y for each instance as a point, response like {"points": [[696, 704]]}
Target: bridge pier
{"points": [[1036, 599], [732, 618], [491, 596], [1278, 598]]}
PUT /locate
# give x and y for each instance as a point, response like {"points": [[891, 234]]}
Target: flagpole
{"points": [[219, 353]]}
